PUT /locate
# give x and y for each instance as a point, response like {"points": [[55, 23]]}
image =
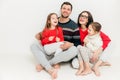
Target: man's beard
{"points": [[64, 16]]}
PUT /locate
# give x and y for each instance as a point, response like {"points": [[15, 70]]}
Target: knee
{"points": [[32, 46], [74, 50]]}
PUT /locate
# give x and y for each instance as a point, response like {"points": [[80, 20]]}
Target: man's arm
{"points": [[38, 36]]}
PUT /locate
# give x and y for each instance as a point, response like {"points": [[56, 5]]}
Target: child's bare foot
{"points": [[56, 66], [39, 68], [96, 71], [53, 73], [79, 72], [105, 64], [86, 71]]}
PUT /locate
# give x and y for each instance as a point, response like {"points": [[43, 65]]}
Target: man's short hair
{"points": [[67, 3]]}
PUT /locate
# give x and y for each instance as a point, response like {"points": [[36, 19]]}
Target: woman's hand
{"points": [[85, 41]]}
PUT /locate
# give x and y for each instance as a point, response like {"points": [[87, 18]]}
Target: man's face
{"points": [[66, 11]]}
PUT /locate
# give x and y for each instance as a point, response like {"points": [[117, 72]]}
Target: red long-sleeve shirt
{"points": [[104, 37], [57, 32]]}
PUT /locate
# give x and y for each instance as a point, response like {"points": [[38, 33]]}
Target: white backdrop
{"points": [[20, 20]]}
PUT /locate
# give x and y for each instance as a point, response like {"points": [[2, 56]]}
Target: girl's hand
{"points": [[51, 38], [57, 39], [94, 58], [96, 54]]}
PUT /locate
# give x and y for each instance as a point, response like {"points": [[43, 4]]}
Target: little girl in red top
{"points": [[52, 35]]}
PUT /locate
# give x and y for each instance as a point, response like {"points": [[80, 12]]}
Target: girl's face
{"points": [[91, 31], [54, 20], [83, 19]]}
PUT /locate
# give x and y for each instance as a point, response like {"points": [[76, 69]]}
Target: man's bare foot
{"points": [[53, 73], [39, 68], [56, 66], [79, 72], [96, 71], [86, 71], [105, 64]]}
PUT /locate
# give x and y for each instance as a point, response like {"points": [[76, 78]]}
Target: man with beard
{"points": [[70, 28], [71, 36]]}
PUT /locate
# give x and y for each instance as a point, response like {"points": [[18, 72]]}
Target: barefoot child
{"points": [[92, 42], [52, 35]]}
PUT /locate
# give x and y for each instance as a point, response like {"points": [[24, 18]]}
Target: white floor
{"points": [[22, 67]]}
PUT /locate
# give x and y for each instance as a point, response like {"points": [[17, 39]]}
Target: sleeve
{"points": [[45, 37], [105, 40], [60, 35], [89, 44]]}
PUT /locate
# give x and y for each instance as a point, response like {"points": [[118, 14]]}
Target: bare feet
{"points": [[86, 71], [105, 64], [39, 68], [96, 71], [79, 72], [56, 66], [53, 73]]}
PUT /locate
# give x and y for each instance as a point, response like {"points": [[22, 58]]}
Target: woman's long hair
{"points": [[90, 18]]}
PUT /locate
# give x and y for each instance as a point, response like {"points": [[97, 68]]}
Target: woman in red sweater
{"points": [[84, 19]]}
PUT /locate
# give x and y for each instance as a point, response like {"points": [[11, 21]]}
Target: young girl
{"points": [[52, 35], [92, 42]]}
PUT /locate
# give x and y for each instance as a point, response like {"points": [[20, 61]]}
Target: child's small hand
{"points": [[94, 58], [57, 39], [51, 38]]}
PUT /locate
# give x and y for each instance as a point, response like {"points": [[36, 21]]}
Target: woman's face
{"points": [[83, 19]]}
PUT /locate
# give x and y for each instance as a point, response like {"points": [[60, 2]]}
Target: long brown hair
{"points": [[90, 18], [48, 24]]}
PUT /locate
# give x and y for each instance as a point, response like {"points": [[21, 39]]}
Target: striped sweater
{"points": [[71, 32]]}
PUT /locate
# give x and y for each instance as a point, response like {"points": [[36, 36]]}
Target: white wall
{"points": [[20, 20]]}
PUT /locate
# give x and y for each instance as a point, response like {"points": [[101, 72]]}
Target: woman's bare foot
{"points": [[53, 73], [96, 71], [105, 64], [86, 71], [39, 68], [56, 66]]}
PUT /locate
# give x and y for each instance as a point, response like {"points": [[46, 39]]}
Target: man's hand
{"points": [[38, 36], [66, 45]]}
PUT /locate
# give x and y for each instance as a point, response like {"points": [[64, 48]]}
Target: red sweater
{"points": [[55, 32], [104, 37]]}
